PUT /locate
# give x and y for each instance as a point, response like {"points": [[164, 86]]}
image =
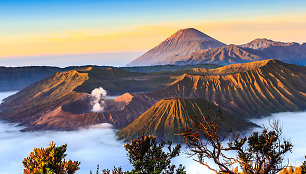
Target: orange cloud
{"points": [[142, 38]]}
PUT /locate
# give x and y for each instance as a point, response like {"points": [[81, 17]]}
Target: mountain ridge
{"points": [[246, 90], [208, 50], [225, 55], [262, 43]]}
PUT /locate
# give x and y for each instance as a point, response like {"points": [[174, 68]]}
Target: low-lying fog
{"points": [[99, 145]]}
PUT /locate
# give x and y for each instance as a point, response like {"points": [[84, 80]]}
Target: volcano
{"points": [[169, 116], [181, 43]]}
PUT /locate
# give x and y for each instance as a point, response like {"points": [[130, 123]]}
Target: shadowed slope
{"points": [[229, 54], [260, 44], [290, 52], [17, 78], [169, 116]]}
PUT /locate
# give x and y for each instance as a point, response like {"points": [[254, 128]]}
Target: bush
{"points": [[49, 160], [260, 153], [303, 167], [147, 156], [106, 171]]}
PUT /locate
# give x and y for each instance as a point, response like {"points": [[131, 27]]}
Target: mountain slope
{"points": [[44, 95], [260, 44], [229, 54], [289, 52], [182, 43], [246, 90], [16, 78], [169, 116]]}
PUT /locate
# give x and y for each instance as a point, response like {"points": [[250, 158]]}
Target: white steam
{"points": [[97, 103]]}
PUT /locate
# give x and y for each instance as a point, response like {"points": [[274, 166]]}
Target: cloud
{"points": [[99, 144], [142, 38]]}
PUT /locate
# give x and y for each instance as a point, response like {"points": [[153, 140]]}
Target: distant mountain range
{"points": [[190, 46], [246, 91]]}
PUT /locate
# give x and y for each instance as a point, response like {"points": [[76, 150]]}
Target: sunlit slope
{"points": [[169, 116], [247, 90], [42, 96], [180, 44], [244, 90], [61, 101]]}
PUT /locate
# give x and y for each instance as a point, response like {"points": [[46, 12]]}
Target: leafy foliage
{"points": [[147, 156], [303, 167], [291, 170], [49, 160], [260, 153], [294, 170], [106, 171], [264, 152]]}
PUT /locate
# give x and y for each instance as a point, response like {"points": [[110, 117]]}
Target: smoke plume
{"points": [[97, 102]]}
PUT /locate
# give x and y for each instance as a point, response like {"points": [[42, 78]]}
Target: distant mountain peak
{"points": [[181, 43], [190, 34], [262, 43]]}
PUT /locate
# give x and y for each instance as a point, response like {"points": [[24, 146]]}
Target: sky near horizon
{"points": [[36, 29]]}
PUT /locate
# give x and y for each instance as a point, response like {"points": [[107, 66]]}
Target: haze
{"points": [[98, 144]]}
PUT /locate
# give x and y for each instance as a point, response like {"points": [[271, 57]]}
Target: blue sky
{"points": [[37, 28], [37, 15]]}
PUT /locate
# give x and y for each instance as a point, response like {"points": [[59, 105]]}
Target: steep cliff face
{"points": [[181, 43], [169, 116], [246, 90]]}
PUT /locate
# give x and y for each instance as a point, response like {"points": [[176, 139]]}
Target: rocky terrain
{"points": [[63, 101]]}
